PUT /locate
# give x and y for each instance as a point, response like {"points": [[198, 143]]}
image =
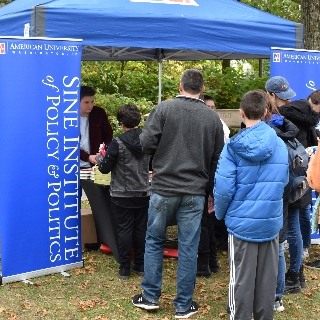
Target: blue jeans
{"points": [[188, 212], [281, 272], [305, 226], [294, 239]]}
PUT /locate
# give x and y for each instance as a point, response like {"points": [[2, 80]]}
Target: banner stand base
{"points": [[38, 273]]}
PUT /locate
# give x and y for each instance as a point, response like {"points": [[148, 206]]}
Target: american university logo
{"points": [[276, 57], [2, 48], [182, 2]]}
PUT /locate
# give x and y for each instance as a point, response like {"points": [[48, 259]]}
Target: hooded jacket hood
{"points": [[131, 140], [300, 113], [253, 143]]}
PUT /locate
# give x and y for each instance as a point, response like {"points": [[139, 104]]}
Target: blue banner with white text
{"points": [[301, 68], [39, 135]]}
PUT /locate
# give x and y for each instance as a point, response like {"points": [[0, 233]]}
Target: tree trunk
{"points": [[311, 21], [225, 64]]}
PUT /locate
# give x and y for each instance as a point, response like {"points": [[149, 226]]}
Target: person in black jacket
{"points": [[299, 112], [129, 190]]}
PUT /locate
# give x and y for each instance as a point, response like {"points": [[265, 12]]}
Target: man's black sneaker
{"points": [[124, 274], [139, 301], [313, 265], [186, 314]]}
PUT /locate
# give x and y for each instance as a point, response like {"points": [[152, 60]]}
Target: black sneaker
{"points": [[204, 271], [124, 273], [313, 265], [138, 270], [292, 284], [214, 265], [139, 301], [186, 314], [302, 278]]}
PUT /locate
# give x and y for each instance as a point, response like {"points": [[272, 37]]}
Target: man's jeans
{"points": [[305, 225], [188, 212], [294, 239], [281, 272]]}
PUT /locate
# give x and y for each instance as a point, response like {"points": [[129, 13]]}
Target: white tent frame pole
{"points": [[159, 81]]}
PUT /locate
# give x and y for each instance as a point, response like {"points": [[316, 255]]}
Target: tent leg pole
{"points": [[260, 68], [160, 81]]}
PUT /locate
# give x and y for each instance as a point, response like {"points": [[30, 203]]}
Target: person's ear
{"points": [[180, 88], [242, 115], [265, 113]]}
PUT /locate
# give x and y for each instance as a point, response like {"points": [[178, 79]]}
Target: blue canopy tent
{"points": [[155, 29], [115, 30]]}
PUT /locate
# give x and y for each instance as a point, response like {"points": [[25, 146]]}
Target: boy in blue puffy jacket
{"points": [[249, 184]]}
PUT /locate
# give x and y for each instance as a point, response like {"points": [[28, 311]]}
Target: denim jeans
{"points": [[281, 272], [188, 212], [305, 226], [294, 239]]}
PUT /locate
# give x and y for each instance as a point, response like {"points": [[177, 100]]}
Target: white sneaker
{"points": [[278, 305], [305, 253]]}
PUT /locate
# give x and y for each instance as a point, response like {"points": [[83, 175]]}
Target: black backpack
{"points": [[298, 165]]}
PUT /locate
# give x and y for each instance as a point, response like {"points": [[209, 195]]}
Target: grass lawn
{"points": [[95, 292]]}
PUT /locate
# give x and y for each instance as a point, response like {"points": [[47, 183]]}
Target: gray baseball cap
{"points": [[280, 86]]}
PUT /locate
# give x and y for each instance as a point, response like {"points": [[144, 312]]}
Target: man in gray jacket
{"points": [[185, 138]]}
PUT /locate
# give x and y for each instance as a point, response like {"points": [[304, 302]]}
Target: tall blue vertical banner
{"points": [[39, 137], [301, 68]]}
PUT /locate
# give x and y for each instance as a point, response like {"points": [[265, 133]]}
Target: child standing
{"points": [[249, 184], [129, 190]]}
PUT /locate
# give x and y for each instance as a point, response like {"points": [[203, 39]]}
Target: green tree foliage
{"points": [[288, 9], [4, 2]]}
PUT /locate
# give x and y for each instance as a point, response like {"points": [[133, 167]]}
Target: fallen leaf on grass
{"points": [[12, 316], [83, 285], [204, 310], [89, 304], [27, 306], [42, 313], [223, 314]]}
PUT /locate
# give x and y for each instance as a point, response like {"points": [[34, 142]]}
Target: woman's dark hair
{"points": [[314, 97], [129, 116]]}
